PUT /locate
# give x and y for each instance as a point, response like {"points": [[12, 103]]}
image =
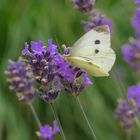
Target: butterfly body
{"points": [[92, 52]]}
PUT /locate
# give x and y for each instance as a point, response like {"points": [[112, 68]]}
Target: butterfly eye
{"points": [[96, 51], [97, 42]]}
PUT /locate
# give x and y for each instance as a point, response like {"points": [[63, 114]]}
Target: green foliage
{"points": [[43, 19]]}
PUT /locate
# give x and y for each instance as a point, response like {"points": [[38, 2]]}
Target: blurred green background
{"points": [[26, 20]]}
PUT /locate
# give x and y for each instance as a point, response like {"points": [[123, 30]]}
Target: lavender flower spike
{"points": [[123, 114], [20, 80], [96, 19], [47, 132], [44, 64], [78, 81], [137, 1], [136, 22], [84, 6], [131, 54]]}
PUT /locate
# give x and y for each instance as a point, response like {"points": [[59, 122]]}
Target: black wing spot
{"points": [[96, 51], [97, 42], [89, 63]]}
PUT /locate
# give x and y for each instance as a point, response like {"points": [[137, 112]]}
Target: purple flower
{"points": [[134, 95], [20, 78], [74, 79], [84, 6], [77, 83], [86, 80], [37, 47], [53, 72], [131, 54], [49, 96], [137, 1], [43, 63], [96, 19], [26, 50], [47, 132], [52, 47], [124, 115], [136, 22], [66, 49], [71, 77]]}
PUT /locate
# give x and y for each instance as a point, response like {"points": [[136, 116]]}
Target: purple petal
{"points": [[127, 53], [86, 80], [26, 50], [96, 19], [37, 47], [137, 1], [134, 94], [58, 83], [55, 127], [136, 22], [52, 47], [46, 131]]}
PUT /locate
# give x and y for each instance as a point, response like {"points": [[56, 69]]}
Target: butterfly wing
{"points": [[92, 52], [98, 66], [88, 66], [97, 39], [104, 60]]}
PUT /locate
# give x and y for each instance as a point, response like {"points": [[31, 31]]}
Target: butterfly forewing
{"points": [[92, 41]]}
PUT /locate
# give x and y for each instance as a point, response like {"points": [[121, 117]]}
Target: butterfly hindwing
{"points": [[87, 66], [104, 60]]}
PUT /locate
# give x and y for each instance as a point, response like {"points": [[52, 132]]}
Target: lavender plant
{"points": [[124, 115], [127, 111], [136, 22], [46, 67], [84, 6], [20, 80], [134, 95], [131, 53], [94, 17], [47, 132], [137, 1]]}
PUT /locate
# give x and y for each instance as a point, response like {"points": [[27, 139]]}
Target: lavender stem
{"points": [[118, 81], [57, 119], [35, 114], [85, 117]]}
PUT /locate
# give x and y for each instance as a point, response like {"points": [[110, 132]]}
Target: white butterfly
{"points": [[92, 52]]}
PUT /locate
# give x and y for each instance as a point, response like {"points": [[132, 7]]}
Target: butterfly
{"points": [[92, 52]]}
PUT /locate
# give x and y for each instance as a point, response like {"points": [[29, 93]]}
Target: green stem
{"points": [[119, 84], [136, 118], [57, 119], [85, 117], [137, 121], [123, 90], [35, 114], [128, 136]]}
